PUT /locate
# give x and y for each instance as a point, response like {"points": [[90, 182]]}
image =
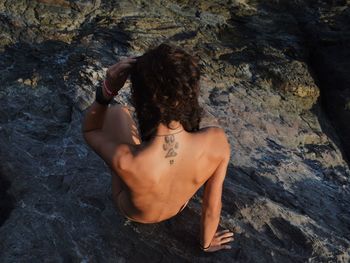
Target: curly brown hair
{"points": [[165, 87]]}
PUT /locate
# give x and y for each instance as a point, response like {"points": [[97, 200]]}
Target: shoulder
{"points": [[217, 141], [215, 133]]}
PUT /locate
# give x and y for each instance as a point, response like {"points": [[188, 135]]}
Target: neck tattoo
{"points": [[170, 146]]}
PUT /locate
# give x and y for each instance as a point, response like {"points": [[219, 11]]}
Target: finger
{"points": [[128, 60], [133, 60], [124, 65], [217, 248], [226, 240], [227, 234], [219, 233], [227, 247]]}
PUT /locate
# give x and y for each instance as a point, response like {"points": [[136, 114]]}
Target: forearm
{"points": [[95, 115], [209, 224]]}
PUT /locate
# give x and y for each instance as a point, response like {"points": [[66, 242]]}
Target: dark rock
{"points": [[6, 200]]}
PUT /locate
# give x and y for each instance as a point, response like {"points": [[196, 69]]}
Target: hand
{"points": [[118, 73], [220, 241]]}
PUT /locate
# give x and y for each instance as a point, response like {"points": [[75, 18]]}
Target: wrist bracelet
{"points": [[204, 248], [100, 99], [108, 91]]}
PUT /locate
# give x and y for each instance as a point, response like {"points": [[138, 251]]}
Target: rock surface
{"points": [[286, 193]]}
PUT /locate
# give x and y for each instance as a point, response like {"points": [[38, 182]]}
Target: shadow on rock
{"points": [[6, 200]]}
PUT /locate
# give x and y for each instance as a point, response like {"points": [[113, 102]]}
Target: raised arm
{"points": [[210, 239], [94, 117]]}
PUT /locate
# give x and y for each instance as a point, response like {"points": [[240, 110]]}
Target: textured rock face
{"points": [[286, 193]]}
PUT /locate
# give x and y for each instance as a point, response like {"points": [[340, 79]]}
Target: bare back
{"points": [[161, 175]]}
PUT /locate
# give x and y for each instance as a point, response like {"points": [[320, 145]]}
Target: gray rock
{"points": [[286, 194]]}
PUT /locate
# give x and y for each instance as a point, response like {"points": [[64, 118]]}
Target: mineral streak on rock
{"points": [[270, 69]]}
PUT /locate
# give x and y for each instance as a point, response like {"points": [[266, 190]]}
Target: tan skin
{"points": [[154, 179]]}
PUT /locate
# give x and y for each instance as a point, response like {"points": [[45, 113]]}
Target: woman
{"points": [[160, 166]]}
